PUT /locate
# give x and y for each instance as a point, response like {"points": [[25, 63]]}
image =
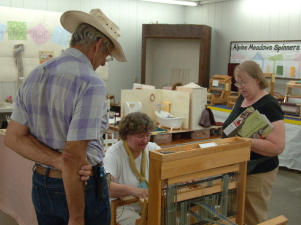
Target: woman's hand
{"points": [[273, 144], [122, 190], [190, 182], [139, 192]]}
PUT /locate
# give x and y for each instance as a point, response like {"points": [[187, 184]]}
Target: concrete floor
{"points": [[6, 219], [286, 198]]}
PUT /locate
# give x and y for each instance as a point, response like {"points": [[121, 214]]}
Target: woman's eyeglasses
{"points": [[242, 83]]}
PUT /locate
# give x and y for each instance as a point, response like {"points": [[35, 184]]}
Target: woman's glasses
{"points": [[242, 83]]}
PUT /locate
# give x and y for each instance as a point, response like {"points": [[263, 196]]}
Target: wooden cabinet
{"points": [[193, 55]]}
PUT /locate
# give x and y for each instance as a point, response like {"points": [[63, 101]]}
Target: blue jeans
{"points": [[49, 200]]}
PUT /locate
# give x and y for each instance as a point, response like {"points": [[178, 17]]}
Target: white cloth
{"points": [[117, 163], [126, 216]]}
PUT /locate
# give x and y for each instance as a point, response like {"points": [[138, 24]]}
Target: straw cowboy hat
{"points": [[71, 19]]}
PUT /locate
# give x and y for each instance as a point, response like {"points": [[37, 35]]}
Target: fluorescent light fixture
{"points": [[173, 2]]}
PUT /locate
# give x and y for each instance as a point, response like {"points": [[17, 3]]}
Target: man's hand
{"points": [[85, 172]]}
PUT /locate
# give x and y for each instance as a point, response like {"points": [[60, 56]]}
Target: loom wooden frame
{"points": [[230, 155]]}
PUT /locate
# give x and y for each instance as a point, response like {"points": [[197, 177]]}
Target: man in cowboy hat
{"points": [[59, 119]]}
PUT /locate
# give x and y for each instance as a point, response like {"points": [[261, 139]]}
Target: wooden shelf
{"points": [[216, 89], [179, 136]]}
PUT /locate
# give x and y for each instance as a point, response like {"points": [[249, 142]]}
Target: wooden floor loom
{"points": [[217, 192]]}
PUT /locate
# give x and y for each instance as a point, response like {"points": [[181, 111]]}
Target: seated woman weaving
{"points": [[128, 161]]}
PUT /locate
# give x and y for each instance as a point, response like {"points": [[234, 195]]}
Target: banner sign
{"points": [[280, 57]]}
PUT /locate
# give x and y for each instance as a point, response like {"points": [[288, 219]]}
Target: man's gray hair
{"points": [[86, 35]]}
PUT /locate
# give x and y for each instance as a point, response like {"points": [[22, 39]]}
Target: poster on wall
{"points": [[39, 34], [60, 36], [17, 30], [45, 55], [2, 31], [283, 58]]}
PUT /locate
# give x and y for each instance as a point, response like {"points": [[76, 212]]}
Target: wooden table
{"points": [[179, 137]]}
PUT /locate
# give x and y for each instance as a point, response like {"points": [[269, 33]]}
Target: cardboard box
{"points": [[200, 134], [198, 101], [162, 138]]}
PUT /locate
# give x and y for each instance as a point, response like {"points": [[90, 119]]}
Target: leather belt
{"points": [[52, 173]]}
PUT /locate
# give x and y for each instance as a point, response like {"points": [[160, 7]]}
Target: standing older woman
{"points": [[251, 82], [128, 162]]}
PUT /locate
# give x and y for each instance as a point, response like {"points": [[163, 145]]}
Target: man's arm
{"points": [[71, 161], [74, 156], [19, 139]]}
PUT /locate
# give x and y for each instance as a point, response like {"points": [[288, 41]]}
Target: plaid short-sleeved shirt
{"points": [[63, 100]]}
